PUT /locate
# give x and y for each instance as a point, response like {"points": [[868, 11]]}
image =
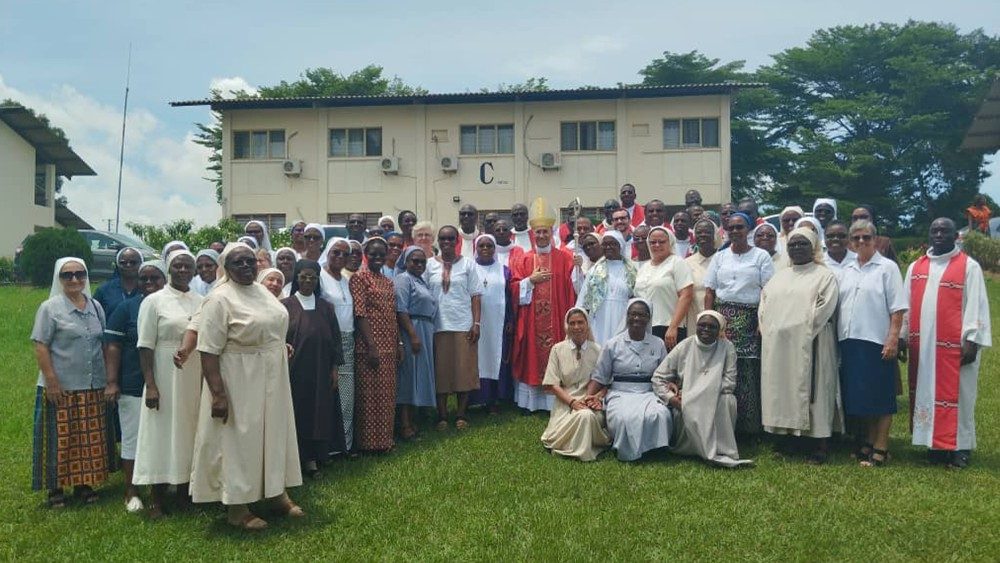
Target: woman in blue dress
{"points": [[416, 308]]}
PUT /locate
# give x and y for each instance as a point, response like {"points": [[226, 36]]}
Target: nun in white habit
{"points": [[637, 421], [607, 288], [697, 380]]}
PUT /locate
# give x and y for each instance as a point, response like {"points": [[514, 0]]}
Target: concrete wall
{"points": [[421, 134], [19, 216]]}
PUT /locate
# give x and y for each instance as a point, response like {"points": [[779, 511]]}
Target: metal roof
{"points": [[984, 133], [49, 148], [624, 91], [65, 217]]}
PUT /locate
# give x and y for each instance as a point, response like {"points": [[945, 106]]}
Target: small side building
{"points": [[32, 157], [320, 158]]}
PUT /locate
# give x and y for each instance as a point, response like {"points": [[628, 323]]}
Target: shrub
{"points": [[983, 249], [7, 276], [159, 235], [42, 249]]}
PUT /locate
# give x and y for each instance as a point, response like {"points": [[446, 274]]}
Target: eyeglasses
{"points": [[312, 237], [148, 279], [78, 274], [859, 238], [128, 262], [298, 229], [243, 262]]}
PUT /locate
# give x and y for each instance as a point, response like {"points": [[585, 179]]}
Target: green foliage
{"points": [[983, 249], [909, 255], [533, 84], [42, 249], [182, 229], [280, 239], [7, 275], [876, 113]]}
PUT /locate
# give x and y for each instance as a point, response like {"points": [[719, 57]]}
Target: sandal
{"points": [[408, 433], [872, 461], [57, 499], [250, 522], [863, 452], [442, 425], [85, 493], [155, 511], [461, 423], [287, 508]]}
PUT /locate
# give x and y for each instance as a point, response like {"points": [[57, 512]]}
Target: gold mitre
{"points": [[540, 214]]}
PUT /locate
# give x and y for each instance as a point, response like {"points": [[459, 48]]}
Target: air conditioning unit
{"points": [[291, 167], [550, 161], [389, 165], [449, 163]]}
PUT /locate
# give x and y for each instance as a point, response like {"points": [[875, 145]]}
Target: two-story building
{"points": [[320, 158], [32, 156]]}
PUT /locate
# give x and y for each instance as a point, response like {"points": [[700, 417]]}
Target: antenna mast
{"points": [[121, 155]]}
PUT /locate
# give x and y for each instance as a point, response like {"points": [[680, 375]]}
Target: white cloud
{"points": [[567, 61], [162, 179], [229, 84]]}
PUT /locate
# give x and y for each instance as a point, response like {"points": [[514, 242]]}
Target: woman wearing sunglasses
{"points": [[872, 304], [74, 442]]}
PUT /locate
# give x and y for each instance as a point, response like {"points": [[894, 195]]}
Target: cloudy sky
{"points": [[68, 60]]}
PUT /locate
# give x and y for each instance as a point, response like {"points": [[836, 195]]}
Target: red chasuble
{"points": [[540, 324], [948, 345]]}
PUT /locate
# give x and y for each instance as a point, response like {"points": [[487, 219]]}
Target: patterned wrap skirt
{"points": [[74, 444], [742, 330]]}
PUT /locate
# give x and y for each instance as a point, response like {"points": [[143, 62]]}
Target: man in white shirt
{"points": [[468, 230], [522, 233], [635, 211]]}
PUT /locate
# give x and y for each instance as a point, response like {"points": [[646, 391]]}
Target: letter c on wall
{"points": [[486, 173]]}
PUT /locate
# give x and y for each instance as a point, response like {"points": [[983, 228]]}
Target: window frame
{"points": [[579, 126], [274, 221], [681, 123], [269, 141], [495, 127], [365, 138]]}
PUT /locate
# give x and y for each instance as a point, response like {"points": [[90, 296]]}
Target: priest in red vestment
{"points": [[540, 281]]}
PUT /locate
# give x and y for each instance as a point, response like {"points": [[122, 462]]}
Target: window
{"points": [[486, 139], [356, 141], [258, 145], [41, 187], [690, 133], [587, 136], [371, 217], [274, 221]]}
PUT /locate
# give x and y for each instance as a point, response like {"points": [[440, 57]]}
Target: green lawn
{"points": [[493, 493]]}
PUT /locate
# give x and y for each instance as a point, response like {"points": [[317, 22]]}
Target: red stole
{"points": [[540, 323], [948, 345]]}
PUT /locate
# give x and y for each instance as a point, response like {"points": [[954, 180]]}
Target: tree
{"points": [[367, 81], [876, 114], [533, 84], [756, 152]]}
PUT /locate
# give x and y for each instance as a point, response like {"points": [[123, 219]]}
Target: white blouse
{"points": [[659, 285], [454, 307], [739, 277], [338, 293], [869, 295]]}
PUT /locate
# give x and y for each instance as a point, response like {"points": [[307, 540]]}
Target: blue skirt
{"points": [[415, 383], [867, 382]]}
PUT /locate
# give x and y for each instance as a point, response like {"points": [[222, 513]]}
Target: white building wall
{"points": [[421, 134], [19, 216]]}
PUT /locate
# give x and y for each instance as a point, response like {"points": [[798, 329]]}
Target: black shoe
{"points": [[959, 459], [938, 457]]}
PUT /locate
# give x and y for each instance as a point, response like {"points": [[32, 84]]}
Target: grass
{"points": [[493, 493]]}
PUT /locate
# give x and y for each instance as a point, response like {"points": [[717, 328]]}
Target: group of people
{"points": [[236, 370]]}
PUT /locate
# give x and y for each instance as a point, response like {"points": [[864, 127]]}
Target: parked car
{"points": [[104, 245]]}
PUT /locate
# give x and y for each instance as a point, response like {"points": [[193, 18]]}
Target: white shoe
{"points": [[133, 505]]}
